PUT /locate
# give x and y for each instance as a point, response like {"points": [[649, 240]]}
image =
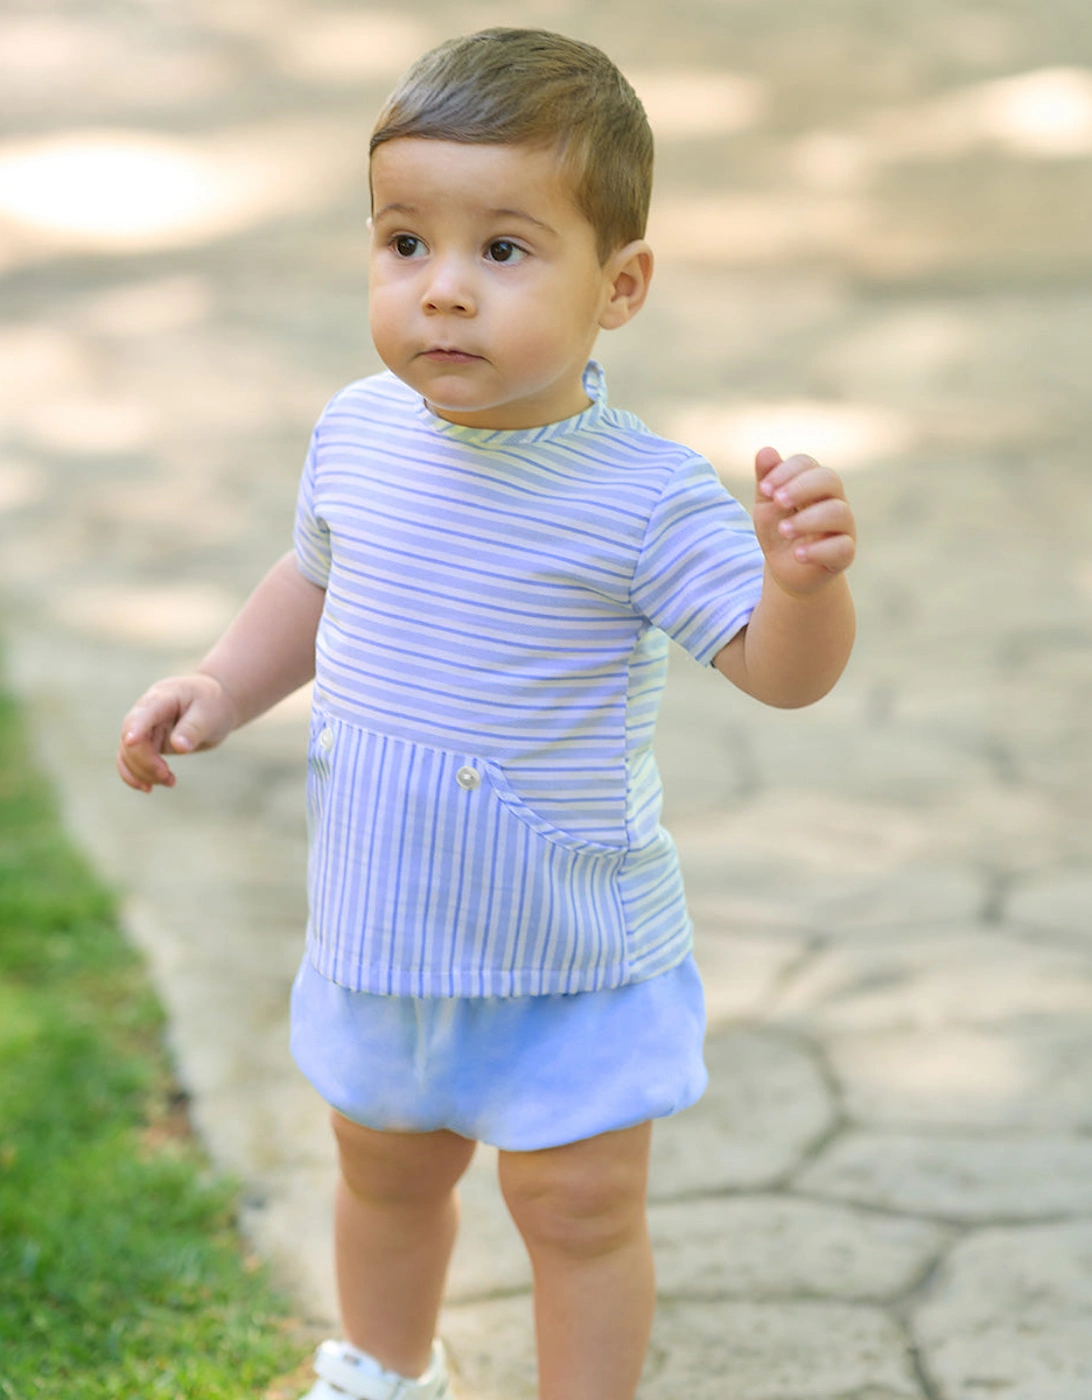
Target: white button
{"points": [[326, 739], [468, 778]]}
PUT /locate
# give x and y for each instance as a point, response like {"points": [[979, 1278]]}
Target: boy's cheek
{"points": [[379, 318]]}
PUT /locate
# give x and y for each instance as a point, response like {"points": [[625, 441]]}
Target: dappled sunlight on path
{"points": [[127, 191]]}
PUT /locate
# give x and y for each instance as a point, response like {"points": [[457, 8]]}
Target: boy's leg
{"points": [[395, 1220], [581, 1212]]}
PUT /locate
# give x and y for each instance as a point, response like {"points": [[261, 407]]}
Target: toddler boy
{"points": [[489, 561]]}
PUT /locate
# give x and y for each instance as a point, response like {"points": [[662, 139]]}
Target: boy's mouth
{"points": [[448, 355]]}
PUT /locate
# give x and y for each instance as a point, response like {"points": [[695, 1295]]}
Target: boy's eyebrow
{"points": [[396, 208], [520, 214]]}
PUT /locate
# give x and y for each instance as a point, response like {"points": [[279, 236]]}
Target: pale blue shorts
{"points": [[520, 1073]]}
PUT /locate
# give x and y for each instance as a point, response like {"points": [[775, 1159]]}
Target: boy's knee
{"points": [[573, 1206]]}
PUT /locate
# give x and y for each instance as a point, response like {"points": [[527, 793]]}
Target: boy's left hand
{"points": [[803, 521]]}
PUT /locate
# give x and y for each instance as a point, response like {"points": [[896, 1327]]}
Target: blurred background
{"points": [[873, 220]]}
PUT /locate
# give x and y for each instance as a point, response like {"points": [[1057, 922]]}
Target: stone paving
{"points": [[873, 228]]}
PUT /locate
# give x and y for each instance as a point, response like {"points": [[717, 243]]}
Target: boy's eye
{"points": [[503, 250], [406, 245]]}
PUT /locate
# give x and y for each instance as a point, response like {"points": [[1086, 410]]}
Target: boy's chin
{"points": [[491, 416]]}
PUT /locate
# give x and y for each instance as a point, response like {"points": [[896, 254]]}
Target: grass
{"points": [[122, 1273]]}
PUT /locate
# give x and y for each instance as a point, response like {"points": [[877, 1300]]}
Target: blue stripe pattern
{"points": [[483, 800]]}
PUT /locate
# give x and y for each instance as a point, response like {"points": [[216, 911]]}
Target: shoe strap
{"points": [[338, 1363]]}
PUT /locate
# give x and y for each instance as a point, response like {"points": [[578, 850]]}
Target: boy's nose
{"points": [[448, 290]]}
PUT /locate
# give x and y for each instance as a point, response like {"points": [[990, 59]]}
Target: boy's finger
{"points": [[807, 486], [143, 759], [141, 776], [198, 725], [142, 721], [184, 739], [134, 730], [766, 459], [129, 777], [831, 552], [829, 516], [784, 470]]}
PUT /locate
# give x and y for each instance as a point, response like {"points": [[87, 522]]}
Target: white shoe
{"points": [[345, 1373]]}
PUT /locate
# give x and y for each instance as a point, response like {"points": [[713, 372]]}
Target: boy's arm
{"points": [[266, 653], [799, 637]]}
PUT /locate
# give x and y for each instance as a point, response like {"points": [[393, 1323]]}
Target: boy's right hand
{"points": [[183, 714]]}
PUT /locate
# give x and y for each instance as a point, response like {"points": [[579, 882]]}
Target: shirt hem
{"points": [[499, 983]]}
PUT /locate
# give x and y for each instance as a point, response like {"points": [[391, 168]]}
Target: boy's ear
{"points": [[627, 274]]}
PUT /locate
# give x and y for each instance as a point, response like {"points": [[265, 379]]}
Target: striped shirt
{"points": [[483, 801]]}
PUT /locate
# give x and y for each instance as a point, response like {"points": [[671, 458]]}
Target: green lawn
{"points": [[121, 1271]]}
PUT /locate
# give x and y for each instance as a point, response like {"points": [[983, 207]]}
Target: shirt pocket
{"points": [[541, 825], [430, 875]]}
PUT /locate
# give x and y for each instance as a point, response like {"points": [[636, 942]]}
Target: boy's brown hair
{"points": [[530, 87]]}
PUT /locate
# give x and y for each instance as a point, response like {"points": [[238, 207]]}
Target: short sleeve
{"points": [[311, 535], [699, 574]]}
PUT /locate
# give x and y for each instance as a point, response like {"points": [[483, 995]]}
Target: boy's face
{"points": [[486, 290]]}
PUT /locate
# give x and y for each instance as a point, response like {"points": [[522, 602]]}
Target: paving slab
{"points": [[1030, 1074], [935, 979], [779, 1247], [955, 1176], [757, 1351], [1054, 901], [492, 1349], [1009, 1316], [767, 1105], [819, 860], [753, 1351], [743, 971]]}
